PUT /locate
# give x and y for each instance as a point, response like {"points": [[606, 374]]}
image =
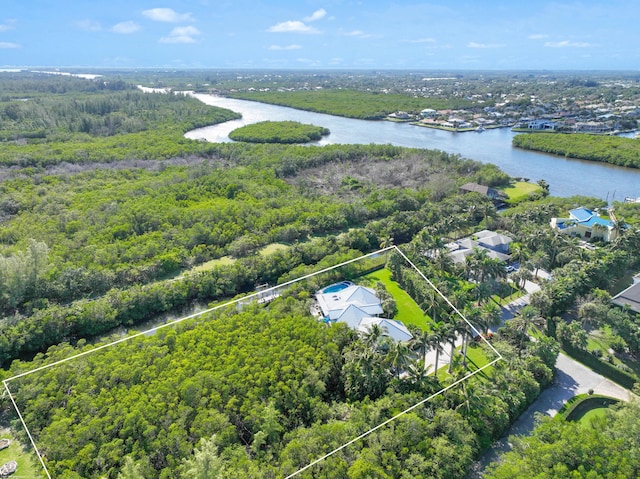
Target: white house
{"points": [[586, 224], [333, 305], [392, 328], [358, 307]]}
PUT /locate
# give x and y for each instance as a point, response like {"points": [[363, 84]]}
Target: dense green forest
{"points": [[608, 149], [278, 132], [80, 243], [351, 103], [79, 121], [273, 389]]}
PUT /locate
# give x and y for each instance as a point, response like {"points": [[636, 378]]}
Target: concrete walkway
{"points": [[572, 378]]}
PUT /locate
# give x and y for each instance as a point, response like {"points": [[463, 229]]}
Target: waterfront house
{"points": [[586, 224], [541, 125], [492, 193]]}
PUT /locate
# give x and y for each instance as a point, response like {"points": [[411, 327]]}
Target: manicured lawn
{"points": [[476, 359], [586, 419], [519, 190], [28, 465], [408, 310]]}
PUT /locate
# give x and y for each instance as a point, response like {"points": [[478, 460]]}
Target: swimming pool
{"points": [[334, 288]]}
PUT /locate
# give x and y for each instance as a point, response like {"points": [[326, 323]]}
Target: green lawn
{"points": [[476, 359], [601, 339], [28, 465], [408, 310], [586, 419], [227, 260], [519, 190]]}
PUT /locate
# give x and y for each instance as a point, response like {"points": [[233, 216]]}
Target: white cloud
{"points": [[89, 25], [292, 26], [537, 36], [285, 47], [182, 35], [7, 25], [358, 34], [125, 28], [167, 15], [422, 40], [567, 44], [317, 15], [484, 45], [9, 45]]}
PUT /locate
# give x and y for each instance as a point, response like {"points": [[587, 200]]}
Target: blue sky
{"points": [[331, 34]]}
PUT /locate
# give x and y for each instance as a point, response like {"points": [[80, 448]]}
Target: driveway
{"points": [[571, 378]]}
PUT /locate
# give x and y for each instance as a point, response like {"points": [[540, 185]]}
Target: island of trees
{"points": [[285, 132]]}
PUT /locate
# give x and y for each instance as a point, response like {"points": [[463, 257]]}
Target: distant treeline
{"points": [[351, 103], [66, 123], [608, 149]]}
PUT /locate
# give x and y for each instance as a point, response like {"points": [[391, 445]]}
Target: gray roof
{"points": [[391, 327], [475, 187], [630, 298]]}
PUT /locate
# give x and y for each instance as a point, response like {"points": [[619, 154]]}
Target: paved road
{"points": [[571, 378]]}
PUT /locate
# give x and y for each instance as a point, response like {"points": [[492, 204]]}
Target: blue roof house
{"points": [[586, 224]]}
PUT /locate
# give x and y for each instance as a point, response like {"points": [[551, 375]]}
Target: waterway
{"points": [[566, 177]]}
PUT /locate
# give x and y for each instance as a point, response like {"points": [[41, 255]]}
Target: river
{"points": [[566, 177]]}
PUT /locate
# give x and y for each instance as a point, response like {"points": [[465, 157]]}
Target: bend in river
{"points": [[567, 177]]}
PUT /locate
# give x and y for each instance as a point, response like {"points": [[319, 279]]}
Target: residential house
{"points": [[586, 224], [333, 305], [630, 297], [592, 127], [496, 245], [358, 307], [495, 195], [542, 125], [392, 328]]}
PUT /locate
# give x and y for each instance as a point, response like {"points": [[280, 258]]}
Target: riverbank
{"points": [[614, 150], [566, 177]]}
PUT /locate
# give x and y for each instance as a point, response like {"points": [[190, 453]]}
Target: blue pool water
{"points": [[334, 288]]}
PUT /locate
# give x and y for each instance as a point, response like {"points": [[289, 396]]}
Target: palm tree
{"points": [[421, 343], [490, 315], [525, 320], [419, 378], [373, 336], [521, 276], [450, 334], [398, 357], [437, 337]]}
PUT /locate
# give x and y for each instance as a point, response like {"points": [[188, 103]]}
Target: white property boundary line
{"points": [[6, 382]]}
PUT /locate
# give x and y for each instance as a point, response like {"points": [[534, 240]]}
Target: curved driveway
{"points": [[571, 378]]}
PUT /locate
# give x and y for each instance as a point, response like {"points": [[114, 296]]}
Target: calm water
{"points": [[566, 177]]}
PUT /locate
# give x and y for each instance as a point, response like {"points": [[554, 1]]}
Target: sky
{"points": [[329, 34]]}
